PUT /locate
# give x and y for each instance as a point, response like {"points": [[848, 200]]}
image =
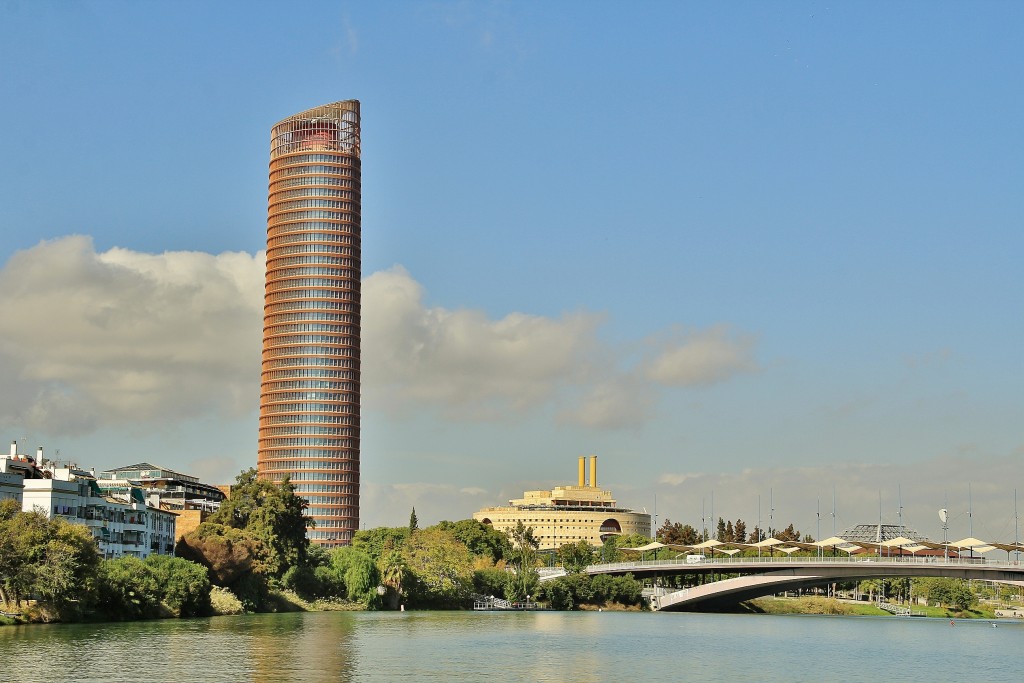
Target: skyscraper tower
{"points": [[309, 384]]}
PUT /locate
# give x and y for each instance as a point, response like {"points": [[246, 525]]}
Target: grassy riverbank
{"points": [[223, 603], [819, 605], [811, 605]]}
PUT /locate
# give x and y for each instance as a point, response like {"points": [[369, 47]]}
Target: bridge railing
{"points": [[804, 560]]}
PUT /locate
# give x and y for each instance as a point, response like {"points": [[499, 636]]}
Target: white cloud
{"points": [[127, 339], [676, 479], [122, 337], [459, 361], [620, 402], [469, 367], [863, 491], [701, 358]]}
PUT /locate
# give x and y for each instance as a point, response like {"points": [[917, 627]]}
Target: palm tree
{"points": [[392, 574]]}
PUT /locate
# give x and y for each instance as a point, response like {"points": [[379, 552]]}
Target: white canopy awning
{"points": [[898, 542], [971, 543], [644, 548], [832, 540]]}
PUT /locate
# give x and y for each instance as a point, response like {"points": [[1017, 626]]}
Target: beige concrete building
{"points": [[567, 514]]}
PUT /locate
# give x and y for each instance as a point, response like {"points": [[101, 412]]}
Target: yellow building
{"points": [[567, 514]]}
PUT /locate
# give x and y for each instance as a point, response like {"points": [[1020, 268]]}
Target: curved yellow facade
{"points": [[568, 514], [309, 389]]}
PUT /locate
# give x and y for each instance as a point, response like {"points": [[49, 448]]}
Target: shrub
{"points": [[128, 589], [490, 581], [223, 601], [184, 585], [303, 581]]}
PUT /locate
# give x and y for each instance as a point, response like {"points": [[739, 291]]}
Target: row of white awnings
{"points": [[902, 543]]}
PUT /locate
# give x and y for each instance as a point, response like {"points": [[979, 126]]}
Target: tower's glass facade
{"points": [[309, 389]]}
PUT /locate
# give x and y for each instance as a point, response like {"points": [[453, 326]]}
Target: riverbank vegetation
{"points": [[252, 555], [811, 605]]}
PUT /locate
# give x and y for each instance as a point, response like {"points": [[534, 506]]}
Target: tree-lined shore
{"points": [[252, 555]]}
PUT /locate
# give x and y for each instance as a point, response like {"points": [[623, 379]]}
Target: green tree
{"points": [[610, 549], [483, 540], [128, 589], [184, 585], [329, 583], [522, 559], [380, 541], [23, 537], [574, 590], [739, 531], [576, 557], [624, 590], [414, 522], [54, 559], [303, 580], [490, 581], [66, 577], [10, 561], [441, 567], [393, 576], [677, 534], [953, 593], [359, 573], [272, 514], [669, 532]]}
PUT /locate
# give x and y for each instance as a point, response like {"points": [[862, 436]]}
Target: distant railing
{"points": [[806, 560], [489, 602], [898, 610]]}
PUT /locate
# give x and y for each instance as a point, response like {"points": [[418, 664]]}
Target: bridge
{"points": [[753, 577]]}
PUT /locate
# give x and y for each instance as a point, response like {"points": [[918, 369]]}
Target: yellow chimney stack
{"points": [[583, 469], [593, 471]]}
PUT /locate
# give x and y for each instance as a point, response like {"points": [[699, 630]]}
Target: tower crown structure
{"points": [[309, 382]]}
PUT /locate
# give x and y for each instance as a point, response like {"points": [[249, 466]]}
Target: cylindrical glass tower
{"points": [[309, 389]]}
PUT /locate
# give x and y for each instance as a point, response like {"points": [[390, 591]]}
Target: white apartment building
{"points": [[123, 522]]}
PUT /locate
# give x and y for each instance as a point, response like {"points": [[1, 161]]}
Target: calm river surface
{"points": [[517, 646]]}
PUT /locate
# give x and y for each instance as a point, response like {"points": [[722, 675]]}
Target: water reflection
{"points": [[315, 647], [510, 647]]}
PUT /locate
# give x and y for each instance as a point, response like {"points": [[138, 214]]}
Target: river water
{"points": [[516, 646]]}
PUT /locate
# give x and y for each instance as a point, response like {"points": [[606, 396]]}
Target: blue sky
{"points": [[765, 250]]}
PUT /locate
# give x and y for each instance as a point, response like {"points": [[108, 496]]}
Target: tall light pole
{"points": [[819, 527], [758, 528], [970, 516], [1016, 538], [944, 518], [703, 523], [833, 510], [654, 531]]}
